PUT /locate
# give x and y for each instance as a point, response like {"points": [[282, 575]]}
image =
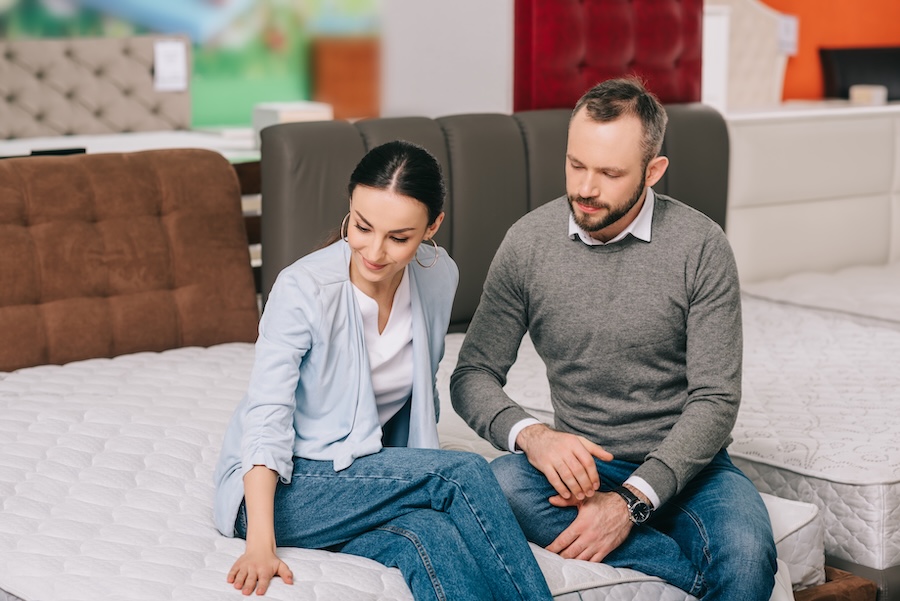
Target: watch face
{"points": [[640, 511]]}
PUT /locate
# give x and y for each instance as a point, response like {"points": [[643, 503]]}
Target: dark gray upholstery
{"points": [[545, 151], [488, 182], [697, 146], [497, 168]]}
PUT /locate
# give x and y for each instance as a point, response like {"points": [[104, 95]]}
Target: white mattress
{"points": [[106, 491], [106, 485], [820, 419]]}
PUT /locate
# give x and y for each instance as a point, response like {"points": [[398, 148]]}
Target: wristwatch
{"points": [[638, 511]]}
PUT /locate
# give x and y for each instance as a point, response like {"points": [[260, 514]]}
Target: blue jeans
{"points": [[438, 516], [712, 540]]}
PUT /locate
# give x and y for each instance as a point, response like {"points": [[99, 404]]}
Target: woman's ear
{"points": [[432, 229]]}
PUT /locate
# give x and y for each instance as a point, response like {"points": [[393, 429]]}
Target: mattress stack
{"points": [[820, 418]]}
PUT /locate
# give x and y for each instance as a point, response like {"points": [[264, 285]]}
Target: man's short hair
{"points": [[613, 98]]}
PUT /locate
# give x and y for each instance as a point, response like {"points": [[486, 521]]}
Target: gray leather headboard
{"points": [[58, 87], [497, 168]]}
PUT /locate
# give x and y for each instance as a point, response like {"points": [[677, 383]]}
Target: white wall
{"points": [[442, 57]]}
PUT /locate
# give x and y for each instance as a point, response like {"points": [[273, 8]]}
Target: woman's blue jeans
{"points": [[712, 540], [438, 516]]}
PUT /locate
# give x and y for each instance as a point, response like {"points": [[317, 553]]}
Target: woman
{"points": [[335, 444]]}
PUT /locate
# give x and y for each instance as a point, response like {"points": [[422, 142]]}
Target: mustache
{"points": [[588, 202]]}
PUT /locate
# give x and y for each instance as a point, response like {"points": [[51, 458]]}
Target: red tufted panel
{"points": [[107, 254], [563, 47]]}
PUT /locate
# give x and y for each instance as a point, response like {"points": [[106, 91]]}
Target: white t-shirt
{"points": [[390, 352]]}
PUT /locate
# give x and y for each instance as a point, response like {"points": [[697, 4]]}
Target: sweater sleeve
{"points": [[714, 358], [285, 336], [489, 350]]}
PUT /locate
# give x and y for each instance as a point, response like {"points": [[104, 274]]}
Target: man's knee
{"points": [[754, 547], [510, 471], [524, 487], [747, 557], [751, 530]]}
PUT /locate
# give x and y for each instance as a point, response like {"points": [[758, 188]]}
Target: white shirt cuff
{"points": [[641, 484], [514, 432]]}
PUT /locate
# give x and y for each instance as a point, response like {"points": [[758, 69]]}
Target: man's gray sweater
{"points": [[642, 340]]}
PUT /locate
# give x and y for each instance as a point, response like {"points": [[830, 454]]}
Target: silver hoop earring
{"points": [[344, 229], [430, 265]]}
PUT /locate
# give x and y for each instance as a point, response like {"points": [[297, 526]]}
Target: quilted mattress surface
{"points": [[797, 526], [106, 490], [820, 419]]}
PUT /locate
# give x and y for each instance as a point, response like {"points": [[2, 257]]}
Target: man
{"points": [[633, 302]]}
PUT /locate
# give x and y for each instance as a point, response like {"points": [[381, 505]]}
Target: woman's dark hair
{"points": [[403, 168]]}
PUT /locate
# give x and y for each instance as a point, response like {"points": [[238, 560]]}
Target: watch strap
{"points": [[638, 510]]}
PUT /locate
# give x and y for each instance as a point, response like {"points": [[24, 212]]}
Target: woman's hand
{"points": [[255, 569]]}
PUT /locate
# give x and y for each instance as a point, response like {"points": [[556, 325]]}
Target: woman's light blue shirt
{"points": [[310, 393]]}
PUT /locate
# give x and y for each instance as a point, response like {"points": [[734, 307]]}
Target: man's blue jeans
{"points": [[438, 516], [712, 540]]}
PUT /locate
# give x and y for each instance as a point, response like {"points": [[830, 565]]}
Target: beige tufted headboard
{"points": [[756, 64], [55, 87]]}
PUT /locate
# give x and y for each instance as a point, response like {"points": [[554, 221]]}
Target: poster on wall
{"points": [[244, 51]]}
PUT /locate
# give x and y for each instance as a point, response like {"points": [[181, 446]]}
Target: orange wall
{"points": [[836, 24]]}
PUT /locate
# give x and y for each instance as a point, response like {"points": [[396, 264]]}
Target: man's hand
{"points": [[255, 569], [566, 460], [602, 524]]}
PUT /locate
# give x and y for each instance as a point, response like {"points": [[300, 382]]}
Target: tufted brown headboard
{"points": [[563, 47], [57, 87], [106, 254]]}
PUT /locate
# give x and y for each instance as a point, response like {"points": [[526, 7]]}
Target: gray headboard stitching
{"points": [[497, 167]]}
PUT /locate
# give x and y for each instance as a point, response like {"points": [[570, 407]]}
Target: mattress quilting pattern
{"points": [[819, 422], [106, 483], [574, 580], [798, 528], [857, 519], [106, 489]]}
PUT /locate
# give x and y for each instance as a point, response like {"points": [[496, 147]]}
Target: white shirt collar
{"points": [[639, 228]]}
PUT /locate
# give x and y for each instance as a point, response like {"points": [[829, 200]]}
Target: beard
{"points": [[612, 215]]}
